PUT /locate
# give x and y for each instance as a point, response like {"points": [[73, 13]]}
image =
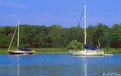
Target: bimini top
{"points": [[24, 49]]}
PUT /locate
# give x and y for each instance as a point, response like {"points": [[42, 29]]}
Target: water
{"points": [[59, 65]]}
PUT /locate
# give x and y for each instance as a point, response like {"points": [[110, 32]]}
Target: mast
{"points": [[18, 35], [85, 33], [12, 39]]}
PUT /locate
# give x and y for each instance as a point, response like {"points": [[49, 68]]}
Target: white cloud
{"points": [[8, 3]]}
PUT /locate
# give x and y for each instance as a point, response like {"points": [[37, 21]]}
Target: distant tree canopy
{"points": [[42, 36]]}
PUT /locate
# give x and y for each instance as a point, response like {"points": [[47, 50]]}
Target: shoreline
{"points": [[63, 50]]}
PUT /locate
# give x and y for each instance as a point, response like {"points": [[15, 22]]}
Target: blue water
{"points": [[59, 65]]}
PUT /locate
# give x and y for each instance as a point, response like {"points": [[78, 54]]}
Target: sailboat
{"points": [[19, 50], [87, 51]]}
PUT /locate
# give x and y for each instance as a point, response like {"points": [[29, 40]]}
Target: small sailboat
{"points": [[24, 51], [87, 51]]}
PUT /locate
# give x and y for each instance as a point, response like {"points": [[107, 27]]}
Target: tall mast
{"points": [[18, 35], [85, 34]]}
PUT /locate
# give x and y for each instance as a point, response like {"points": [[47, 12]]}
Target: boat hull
{"points": [[21, 52], [86, 53]]}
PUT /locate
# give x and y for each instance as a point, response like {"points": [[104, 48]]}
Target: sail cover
{"points": [[90, 47], [25, 49], [86, 47]]}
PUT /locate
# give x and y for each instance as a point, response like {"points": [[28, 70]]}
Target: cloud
{"points": [[7, 3]]}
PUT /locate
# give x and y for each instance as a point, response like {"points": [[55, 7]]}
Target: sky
{"points": [[63, 12]]}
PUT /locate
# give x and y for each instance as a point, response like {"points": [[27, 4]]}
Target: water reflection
{"points": [[62, 65], [62, 70], [17, 65], [85, 70]]}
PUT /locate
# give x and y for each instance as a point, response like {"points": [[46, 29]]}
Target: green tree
{"points": [[116, 36], [101, 35], [75, 45], [55, 35]]}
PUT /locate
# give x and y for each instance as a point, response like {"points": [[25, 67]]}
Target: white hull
{"points": [[21, 52], [86, 53]]}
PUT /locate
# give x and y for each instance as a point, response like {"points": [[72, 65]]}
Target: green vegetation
{"points": [[42, 50], [51, 50], [75, 45], [3, 51], [63, 50], [55, 36], [112, 50]]}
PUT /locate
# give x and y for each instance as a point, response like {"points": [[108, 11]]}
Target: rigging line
{"points": [[81, 17], [12, 38], [79, 23]]}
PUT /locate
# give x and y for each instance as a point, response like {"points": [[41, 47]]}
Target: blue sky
{"points": [[63, 12]]}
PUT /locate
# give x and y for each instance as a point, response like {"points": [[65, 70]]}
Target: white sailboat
{"points": [[86, 52], [19, 50]]}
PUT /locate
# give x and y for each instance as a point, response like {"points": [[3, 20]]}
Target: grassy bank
{"points": [[112, 50], [64, 50], [50, 50], [42, 50], [3, 51]]}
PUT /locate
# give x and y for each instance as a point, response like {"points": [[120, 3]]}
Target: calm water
{"points": [[59, 65]]}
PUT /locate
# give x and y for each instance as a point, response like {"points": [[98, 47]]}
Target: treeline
{"points": [[37, 36]]}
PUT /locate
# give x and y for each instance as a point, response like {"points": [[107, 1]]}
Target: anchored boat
{"points": [[24, 51], [87, 51]]}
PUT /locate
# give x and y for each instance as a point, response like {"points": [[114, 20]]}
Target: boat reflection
{"points": [[17, 65]]}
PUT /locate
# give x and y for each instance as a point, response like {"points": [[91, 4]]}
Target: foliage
{"points": [[75, 45], [42, 36], [116, 36], [112, 50], [3, 51], [51, 50]]}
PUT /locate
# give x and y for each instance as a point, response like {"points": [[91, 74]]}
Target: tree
{"points": [[38, 36], [116, 36], [55, 35], [101, 35], [75, 45]]}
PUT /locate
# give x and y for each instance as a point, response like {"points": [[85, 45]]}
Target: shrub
{"points": [[75, 45]]}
